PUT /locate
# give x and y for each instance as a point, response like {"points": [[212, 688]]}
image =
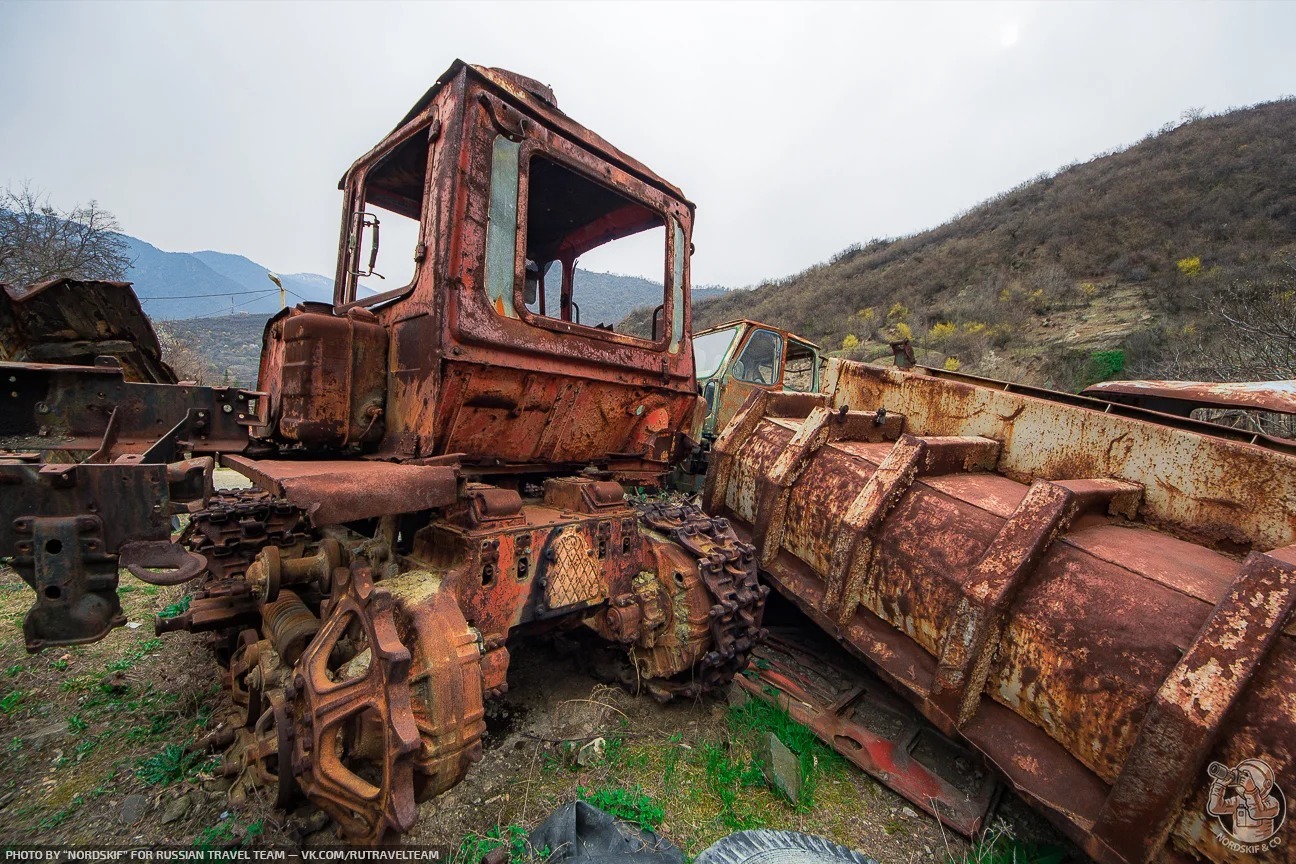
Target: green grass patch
{"points": [[996, 847], [59, 817], [148, 646], [10, 701], [618, 755], [512, 838], [176, 609], [171, 765], [630, 805], [1104, 365], [726, 778], [756, 717]]}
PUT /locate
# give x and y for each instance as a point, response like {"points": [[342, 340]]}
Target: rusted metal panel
{"points": [[463, 371], [971, 638], [1182, 397], [854, 712], [1044, 623], [1186, 716], [1200, 484], [97, 411], [72, 321], [337, 491], [326, 376]]}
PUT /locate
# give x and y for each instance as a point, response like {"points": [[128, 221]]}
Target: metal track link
{"points": [[729, 570]]}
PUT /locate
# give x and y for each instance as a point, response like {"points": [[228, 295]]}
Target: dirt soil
{"points": [[90, 737]]}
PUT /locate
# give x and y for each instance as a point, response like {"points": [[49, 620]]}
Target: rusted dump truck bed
{"points": [[1095, 602]]}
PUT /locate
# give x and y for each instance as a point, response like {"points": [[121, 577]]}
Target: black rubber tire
{"points": [[778, 847]]}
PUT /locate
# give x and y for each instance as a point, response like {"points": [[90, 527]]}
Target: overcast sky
{"points": [[797, 129]]}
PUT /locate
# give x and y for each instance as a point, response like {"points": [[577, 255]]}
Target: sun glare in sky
{"points": [[1009, 33]]}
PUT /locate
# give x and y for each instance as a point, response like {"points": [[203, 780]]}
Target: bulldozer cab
{"points": [[738, 357], [457, 272]]}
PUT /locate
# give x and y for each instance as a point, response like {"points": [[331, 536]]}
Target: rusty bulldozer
{"points": [[1093, 596]]}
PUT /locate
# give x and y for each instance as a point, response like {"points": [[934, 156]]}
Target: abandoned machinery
{"points": [[1093, 597]]}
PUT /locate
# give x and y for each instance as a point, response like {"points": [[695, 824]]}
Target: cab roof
{"points": [[537, 100], [749, 322]]}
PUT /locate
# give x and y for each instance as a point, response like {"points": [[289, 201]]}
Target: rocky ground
{"points": [[93, 739]]}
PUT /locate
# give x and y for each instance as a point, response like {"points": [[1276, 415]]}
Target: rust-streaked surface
{"points": [[1067, 589], [439, 367], [1202, 484], [1184, 396], [335, 491], [72, 321]]}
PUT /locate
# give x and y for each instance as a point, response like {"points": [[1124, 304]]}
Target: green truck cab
{"points": [[737, 357]]}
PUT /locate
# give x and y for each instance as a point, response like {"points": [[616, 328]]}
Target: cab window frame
{"points": [[780, 347], [805, 349], [347, 282], [572, 158]]}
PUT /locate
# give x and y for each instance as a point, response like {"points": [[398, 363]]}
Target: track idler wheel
{"points": [[243, 684], [356, 738]]}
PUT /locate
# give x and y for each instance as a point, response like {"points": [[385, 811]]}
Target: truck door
{"points": [[800, 367], [758, 364]]}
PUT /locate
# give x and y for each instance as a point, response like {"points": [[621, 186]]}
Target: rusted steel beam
{"points": [[973, 635], [852, 711], [820, 427], [1182, 397], [1187, 715], [853, 549]]}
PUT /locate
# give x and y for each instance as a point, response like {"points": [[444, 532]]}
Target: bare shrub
{"points": [[39, 242]]}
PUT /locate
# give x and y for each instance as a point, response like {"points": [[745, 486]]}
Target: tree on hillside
{"points": [[1248, 334], [40, 242], [187, 361]]}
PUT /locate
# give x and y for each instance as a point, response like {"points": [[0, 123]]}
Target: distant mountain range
{"points": [[175, 285]]}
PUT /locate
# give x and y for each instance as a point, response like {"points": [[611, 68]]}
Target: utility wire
{"points": [[188, 296], [225, 313]]}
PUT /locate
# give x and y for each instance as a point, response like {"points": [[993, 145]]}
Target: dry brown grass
{"points": [[1066, 264]]}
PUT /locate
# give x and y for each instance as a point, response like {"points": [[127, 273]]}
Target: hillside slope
{"points": [[1068, 278]]}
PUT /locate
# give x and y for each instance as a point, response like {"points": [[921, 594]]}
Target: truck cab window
{"points": [[802, 363], [760, 359], [577, 233], [383, 249]]}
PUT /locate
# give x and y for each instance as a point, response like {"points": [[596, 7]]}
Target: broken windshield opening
{"points": [[709, 350], [383, 250], [592, 254]]}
